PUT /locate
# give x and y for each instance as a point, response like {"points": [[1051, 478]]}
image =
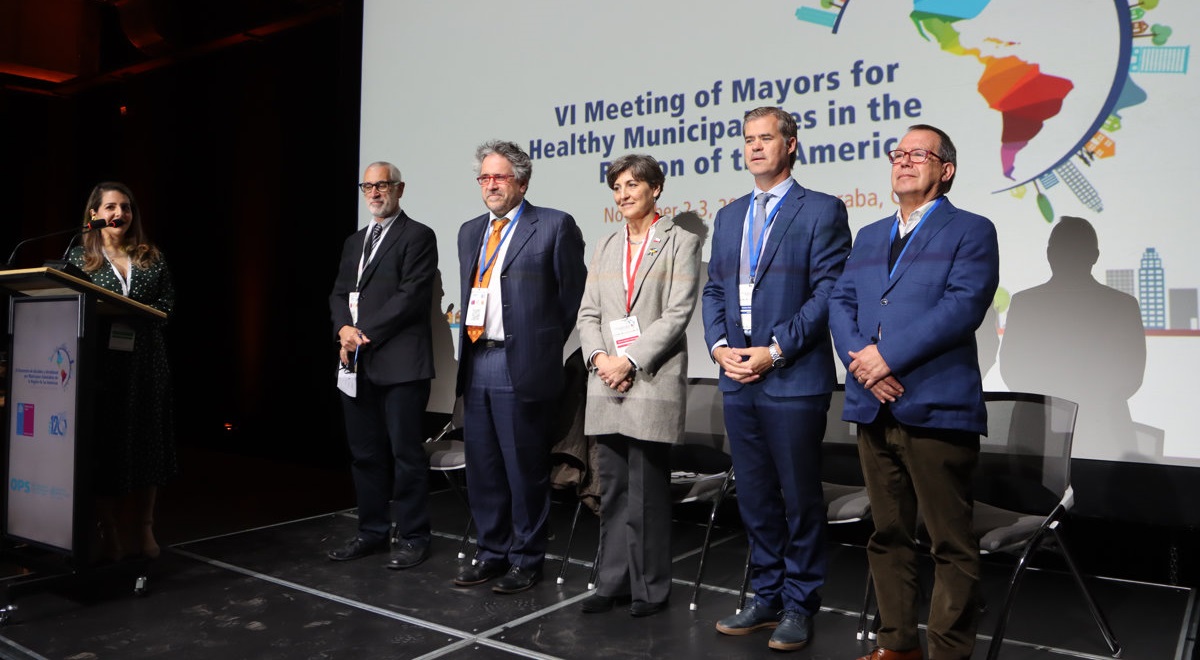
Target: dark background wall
{"points": [[242, 153]]}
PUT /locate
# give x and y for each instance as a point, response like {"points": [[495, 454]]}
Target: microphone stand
{"points": [[8, 264], [66, 266], [62, 264]]}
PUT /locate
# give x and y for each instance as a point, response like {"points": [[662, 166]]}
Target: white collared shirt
{"points": [[915, 217], [493, 324], [776, 199], [387, 224]]}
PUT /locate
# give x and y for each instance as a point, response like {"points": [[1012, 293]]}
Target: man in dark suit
{"points": [[381, 318], [522, 274], [775, 256], [903, 316]]}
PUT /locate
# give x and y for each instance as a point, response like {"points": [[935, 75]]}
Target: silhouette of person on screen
{"points": [[1078, 339]]}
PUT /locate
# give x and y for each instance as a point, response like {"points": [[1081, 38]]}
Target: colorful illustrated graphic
{"points": [[1028, 95], [1025, 96], [65, 364]]}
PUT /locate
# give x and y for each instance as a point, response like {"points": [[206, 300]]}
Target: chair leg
{"points": [[466, 539], [566, 560], [712, 518], [595, 567], [1101, 622], [452, 478], [1011, 592], [745, 580], [862, 615]]}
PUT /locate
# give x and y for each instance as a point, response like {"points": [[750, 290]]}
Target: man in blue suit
{"points": [[776, 254], [903, 316], [522, 274]]}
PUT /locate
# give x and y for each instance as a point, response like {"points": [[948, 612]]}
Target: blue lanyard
{"points": [[755, 248], [896, 230], [483, 268]]}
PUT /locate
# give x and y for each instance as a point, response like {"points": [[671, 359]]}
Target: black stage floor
{"points": [[267, 591]]}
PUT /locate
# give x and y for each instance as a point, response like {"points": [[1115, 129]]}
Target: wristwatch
{"points": [[777, 361]]}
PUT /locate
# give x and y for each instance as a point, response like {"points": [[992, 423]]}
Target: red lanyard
{"points": [[631, 276]]}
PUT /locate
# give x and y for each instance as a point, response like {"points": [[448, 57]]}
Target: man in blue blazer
{"points": [[903, 316], [776, 254], [522, 274], [380, 306]]}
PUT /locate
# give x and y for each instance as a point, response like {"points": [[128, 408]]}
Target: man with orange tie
{"points": [[522, 273]]}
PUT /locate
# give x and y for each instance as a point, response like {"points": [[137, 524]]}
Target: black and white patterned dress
{"points": [[135, 439]]}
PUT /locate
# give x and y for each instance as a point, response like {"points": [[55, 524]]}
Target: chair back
{"points": [[704, 421], [1025, 460], [839, 449]]}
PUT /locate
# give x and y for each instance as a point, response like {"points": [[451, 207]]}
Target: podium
{"points": [[47, 515]]}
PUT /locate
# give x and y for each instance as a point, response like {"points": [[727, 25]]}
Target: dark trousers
{"points": [[909, 471], [507, 447], [388, 461], [635, 518], [776, 447]]}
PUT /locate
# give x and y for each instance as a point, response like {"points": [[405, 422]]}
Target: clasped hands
{"points": [[616, 373], [349, 339], [743, 365], [869, 368]]}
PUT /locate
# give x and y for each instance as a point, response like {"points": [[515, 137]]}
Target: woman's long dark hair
{"points": [[142, 253]]}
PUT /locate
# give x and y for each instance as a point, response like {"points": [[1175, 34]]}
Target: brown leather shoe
{"points": [[881, 653]]}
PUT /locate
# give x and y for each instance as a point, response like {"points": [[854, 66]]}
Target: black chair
{"points": [[701, 471], [845, 494], [1023, 495], [447, 455]]}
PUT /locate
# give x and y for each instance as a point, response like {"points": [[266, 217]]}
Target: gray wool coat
{"points": [[665, 294]]}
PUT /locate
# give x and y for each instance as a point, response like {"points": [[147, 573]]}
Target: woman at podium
{"points": [[135, 448]]}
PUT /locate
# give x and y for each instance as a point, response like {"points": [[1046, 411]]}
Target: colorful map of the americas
{"points": [[1025, 97]]}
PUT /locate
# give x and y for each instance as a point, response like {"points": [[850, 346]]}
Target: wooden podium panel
{"points": [[50, 282]]}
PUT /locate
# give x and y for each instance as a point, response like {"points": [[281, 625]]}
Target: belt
{"points": [[489, 343]]}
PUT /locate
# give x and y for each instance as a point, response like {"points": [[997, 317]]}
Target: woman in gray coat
{"points": [[641, 289]]}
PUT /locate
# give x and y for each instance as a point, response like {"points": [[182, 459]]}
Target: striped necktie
{"points": [[370, 245]]}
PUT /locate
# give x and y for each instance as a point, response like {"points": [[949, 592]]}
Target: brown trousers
{"points": [[910, 471]]}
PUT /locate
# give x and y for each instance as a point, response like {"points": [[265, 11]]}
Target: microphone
{"points": [[94, 223], [90, 225]]}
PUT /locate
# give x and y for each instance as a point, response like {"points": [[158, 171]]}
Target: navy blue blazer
{"points": [[801, 260], [923, 317], [394, 301], [541, 284]]}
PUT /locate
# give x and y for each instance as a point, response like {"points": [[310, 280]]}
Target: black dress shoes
{"points": [[517, 580], [479, 573], [357, 548], [595, 604], [406, 554], [641, 608]]}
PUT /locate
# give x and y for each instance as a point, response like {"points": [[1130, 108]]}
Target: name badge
{"points": [[353, 308], [121, 337], [745, 296], [477, 307], [625, 331], [347, 380]]}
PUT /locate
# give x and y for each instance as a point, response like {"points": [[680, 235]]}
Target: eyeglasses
{"points": [[484, 179], [916, 155], [381, 186]]}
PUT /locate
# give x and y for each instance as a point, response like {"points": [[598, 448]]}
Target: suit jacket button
{"points": [[883, 302]]}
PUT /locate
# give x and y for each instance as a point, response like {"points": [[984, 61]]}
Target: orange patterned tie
{"points": [[476, 331]]}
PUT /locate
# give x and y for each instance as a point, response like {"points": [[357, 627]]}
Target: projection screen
{"points": [[1076, 108]]}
